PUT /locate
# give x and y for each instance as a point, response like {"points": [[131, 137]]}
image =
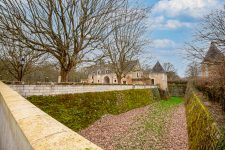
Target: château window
{"points": [[137, 75], [153, 82]]}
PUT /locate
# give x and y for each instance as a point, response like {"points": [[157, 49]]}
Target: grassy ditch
{"points": [[156, 119], [150, 130], [78, 111]]}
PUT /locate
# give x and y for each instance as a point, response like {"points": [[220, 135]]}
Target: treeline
{"points": [[45, 72]]}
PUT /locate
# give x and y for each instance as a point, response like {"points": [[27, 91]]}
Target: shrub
{"points": [[213, 92], [77, 111]]}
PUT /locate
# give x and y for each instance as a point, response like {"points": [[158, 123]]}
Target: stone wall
{"points": [[203, 131], [23, 126], [29, 90], [177, 89]]}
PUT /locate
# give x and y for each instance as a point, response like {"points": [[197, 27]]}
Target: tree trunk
{"points": [[64, 75], [20, 74], [119, 78]]}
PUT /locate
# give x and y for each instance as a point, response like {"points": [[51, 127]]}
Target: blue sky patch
{"points": [[172, 23]]}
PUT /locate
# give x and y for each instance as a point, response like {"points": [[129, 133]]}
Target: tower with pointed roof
{"points": [[212, 58], [159, 76]]}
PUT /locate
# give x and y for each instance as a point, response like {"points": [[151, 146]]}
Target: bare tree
{"points": [[193, 70], [211, 29], [126, 41], [170, 71], [66, 29], [168, 67], [18, 61]]}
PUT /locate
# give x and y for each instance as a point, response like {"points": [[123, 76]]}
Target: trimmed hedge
{"points": [[203, 131], [78, 111]]}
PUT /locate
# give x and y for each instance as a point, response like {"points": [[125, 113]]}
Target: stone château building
{"points": [[211, 61], [103, 74]]}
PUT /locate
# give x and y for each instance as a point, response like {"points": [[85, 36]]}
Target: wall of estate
{"points": [[177, 89], [203, 131], [29, 90], [24, 126]]}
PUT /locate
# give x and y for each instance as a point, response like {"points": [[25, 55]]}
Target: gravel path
{"points": [[177, 134], [104, 131], [128, 131]]}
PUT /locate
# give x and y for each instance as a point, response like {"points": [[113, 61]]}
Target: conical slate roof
{"points": [[158, 68], [213, 53]]}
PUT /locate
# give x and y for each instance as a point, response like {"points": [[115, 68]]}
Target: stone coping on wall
{"points": [[30, 90], [37, 129]]}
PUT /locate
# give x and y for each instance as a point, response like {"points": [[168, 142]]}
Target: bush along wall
{"points": [[203, 131], [78, 111], [213, 93]]}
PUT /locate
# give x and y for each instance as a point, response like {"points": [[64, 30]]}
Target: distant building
{"points": [[159, 76], [212, 59], [103, 74]]}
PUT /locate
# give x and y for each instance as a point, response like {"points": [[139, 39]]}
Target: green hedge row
{"points": [[78, 111], [203, 132]]}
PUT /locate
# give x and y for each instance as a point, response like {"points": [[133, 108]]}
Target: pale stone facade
{"points": [[160, 79], [110, 78], [102, 74]]}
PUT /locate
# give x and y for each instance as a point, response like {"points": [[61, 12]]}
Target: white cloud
{"points": [[173, 24], [161, 23], [193, 8], [163, 43]]}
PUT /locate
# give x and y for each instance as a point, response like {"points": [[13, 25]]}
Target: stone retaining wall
{"points": [[29, 90], [203, 131], [23, 126], [177, 89]]}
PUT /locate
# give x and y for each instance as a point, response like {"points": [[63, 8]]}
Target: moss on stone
{"points": [[203, 131], [78, 111]]}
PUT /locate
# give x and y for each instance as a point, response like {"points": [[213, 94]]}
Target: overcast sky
{"points": [[172, 23]]}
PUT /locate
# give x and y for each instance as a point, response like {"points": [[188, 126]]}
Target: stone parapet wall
{"points": [[29, 90], [23, 126]]}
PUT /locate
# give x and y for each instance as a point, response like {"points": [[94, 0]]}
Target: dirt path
{"points": [[144, 128], [216, 110]]}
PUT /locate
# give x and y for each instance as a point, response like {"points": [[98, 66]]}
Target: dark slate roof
{"points": [[131, 64], [158, 68], [128, 66], [213, 53]]}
